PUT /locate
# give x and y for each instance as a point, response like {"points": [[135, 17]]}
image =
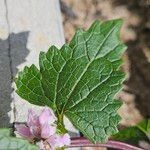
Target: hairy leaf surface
{"points": [[81, 79]]}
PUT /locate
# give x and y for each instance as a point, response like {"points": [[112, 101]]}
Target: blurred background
{"points": [[136, 35]]}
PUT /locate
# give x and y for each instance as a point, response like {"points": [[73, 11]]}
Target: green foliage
{"points": [[8, 143], [144, 126], [80, 80], [134, 134]]}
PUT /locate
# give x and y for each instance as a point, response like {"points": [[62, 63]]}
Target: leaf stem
{"points": [[60, 124], [83, 142]]}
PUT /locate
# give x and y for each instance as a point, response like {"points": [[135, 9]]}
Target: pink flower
{"points": [[47, 116], [33, 119], [24, 131], [64, 139], [47, 131], [41, 126], [57, 141]]}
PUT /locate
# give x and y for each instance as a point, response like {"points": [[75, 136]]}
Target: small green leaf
{"points": [[80, 80], [29, 86], [134, 134], [144, 126], [7, 142]]}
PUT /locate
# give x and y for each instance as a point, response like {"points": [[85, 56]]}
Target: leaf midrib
{"points": [[84, 71]]}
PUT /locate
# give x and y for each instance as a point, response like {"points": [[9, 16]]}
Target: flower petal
{"points": [[33, 119], [36, 131], [53, 142], [58, 141], [64, 139], [24, 131], [47, 116], [47, 131]]}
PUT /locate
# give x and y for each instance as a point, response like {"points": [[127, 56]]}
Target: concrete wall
{"points": [[26, 28]]}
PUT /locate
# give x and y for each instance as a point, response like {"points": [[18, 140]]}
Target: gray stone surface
{"points": [[35, 26], [26, 28], [5, 70]]}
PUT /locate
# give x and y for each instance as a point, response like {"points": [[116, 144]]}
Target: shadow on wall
{"points": [[13, 52]]}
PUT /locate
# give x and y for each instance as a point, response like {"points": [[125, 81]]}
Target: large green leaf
{"points": [[80, 80], [11, 143]]}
